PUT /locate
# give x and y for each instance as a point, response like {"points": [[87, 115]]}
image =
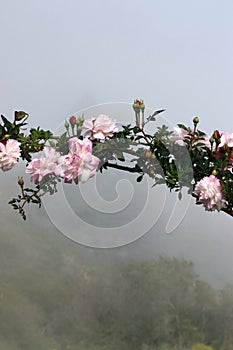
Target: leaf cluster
{"points": [[31, 143]]}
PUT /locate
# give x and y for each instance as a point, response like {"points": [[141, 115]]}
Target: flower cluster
{"points": [[213, 154], [94, 144], [78, 165], [222, 140]]}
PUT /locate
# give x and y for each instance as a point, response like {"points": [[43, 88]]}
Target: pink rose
{"points": [[179, 136], [49, 164], [100, 127], [78, 165], [9, 154], [226, 139], [81, 164], [209, 192]]}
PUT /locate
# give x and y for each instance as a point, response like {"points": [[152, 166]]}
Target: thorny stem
{"points": [[26, 198], [35, 194], [145, 137]]}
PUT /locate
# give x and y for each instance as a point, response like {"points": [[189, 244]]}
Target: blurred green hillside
{"points": [[58, 295]]}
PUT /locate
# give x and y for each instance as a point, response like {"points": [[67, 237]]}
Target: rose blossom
{"points": [[100, 127], [226, 139], [78, 165], [9, 154], [179, 136], [81, 164], [50, 164], [209, 192]]}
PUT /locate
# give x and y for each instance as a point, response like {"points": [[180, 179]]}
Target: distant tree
{"points": [[201, 346]]}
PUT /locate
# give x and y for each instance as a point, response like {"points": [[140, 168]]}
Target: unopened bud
{"points": [[142, 105], [211, 140], [80, 121], [66, 124], [72, 121], [214, 172], [20, 115], [216, 135], [21, 182], [82, 118], [195, 120], [136, 106], [151, 172]]}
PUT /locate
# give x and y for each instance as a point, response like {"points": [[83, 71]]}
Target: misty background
{"points": [[61, 57]]}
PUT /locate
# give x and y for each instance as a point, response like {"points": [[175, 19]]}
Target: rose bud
{"points": [[195, 120], [21, 182], [66, 124], [214, 172], [216, 135], [72, 120]]}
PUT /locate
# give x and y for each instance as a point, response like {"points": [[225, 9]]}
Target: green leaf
{"points": [[7, 123], [201, 133], [1, 131], [35, 201], [120, 155], [12, 201], [136, 130], [182, 126], [171, 181], [199, 144], [139, 179], [151, 117]]}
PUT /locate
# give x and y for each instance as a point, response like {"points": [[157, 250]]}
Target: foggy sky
{"points": [[59, 56]]}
